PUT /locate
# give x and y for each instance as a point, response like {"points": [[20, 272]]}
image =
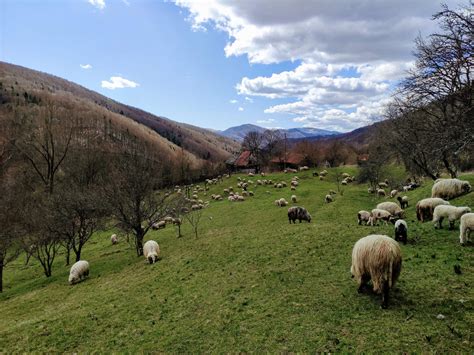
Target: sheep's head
{"points": [[466, 187], [465, 210], [152, 258], [73, 279]]}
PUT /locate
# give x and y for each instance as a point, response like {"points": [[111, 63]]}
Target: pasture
{"points": [[251, 282]]}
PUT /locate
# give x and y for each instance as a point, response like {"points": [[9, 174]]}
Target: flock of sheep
{"points": [[375, 257]]}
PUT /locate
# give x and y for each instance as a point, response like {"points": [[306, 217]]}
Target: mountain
{"points": [[18, 85], [238, 132]]}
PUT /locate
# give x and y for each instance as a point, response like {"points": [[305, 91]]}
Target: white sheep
{"points": [[393, 193], [452, 213], [466, 227], [151, 251], [364, 216], [282, 202], [425, 208], [158, 225], [391, 207], [381, 192], [328, 199], [377, 258], [450, 188], [114, 239], [403, 201], [383, 215], [79, 271], [293, 198]]}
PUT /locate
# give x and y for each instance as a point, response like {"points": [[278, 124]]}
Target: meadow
{"points": [[251, 282]]}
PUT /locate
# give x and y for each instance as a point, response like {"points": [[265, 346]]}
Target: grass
{"points": [[251, 282]]}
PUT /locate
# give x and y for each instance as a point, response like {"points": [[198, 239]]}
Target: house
{"points": [[291, 160], [244, 161]]}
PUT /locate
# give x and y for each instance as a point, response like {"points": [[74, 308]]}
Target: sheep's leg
{"points": [[451, 225], [385, 292]]}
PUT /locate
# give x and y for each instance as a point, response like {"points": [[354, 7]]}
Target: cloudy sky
{"points": [[328, 64]]}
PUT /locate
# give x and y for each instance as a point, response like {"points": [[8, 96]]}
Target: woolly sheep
{"points": [[452, 213], [425, 208], [343, 182], [371, 190], [345, 175], [383, 185], [332, 192], [177, 221], [282, 202], [168, 219], [328, 199], [321, 177], [403, 201], [450, 188], [364, 216], [114, 239], [315, 173], [381, 192], [401, 231], [151, 251], [293, 188], [293, 198], [298, 213], [377, 258], [391, 207], [466, 227], [79, 271], [158, 225], [393, 193], [383, 215]]}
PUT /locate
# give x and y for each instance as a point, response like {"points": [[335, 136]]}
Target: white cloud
{"points": [[233, 101], [241, 108], [269, 121], [349, 54], [248, 99], [100, 4], [85, 66], [126, 2], [117, 82]]}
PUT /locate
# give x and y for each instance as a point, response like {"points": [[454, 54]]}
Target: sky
{"points": [[329, 64]]}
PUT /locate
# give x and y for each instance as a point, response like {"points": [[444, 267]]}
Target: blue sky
{"points": [[284, 62]]}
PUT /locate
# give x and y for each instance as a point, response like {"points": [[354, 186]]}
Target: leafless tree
{"points": [[254, 142], [194, 218]]}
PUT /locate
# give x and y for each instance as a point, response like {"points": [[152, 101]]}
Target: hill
{"points": [[251, 282], [238, 132], [18, 83]]}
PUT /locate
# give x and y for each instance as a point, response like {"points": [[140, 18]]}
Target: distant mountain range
{"points": [[238, 132]]}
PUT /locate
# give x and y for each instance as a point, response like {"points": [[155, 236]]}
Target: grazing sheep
{"points": [[328, 199], [293, 188], [79, 271], [177, 221], [332, 192], [168, 219], [151, 251], [364, 216], [382, 215], [391, 207], [158, 225], [393, 193], [452, 213], [371, 190], [114, 239], [401, 231], [403, 201], [425, 208], [345, 175], [383, 185], [450, 188], [315, 173], [294, 183], [298, 213], [377, 258], [303, 168], [321, 177], [381, 192], [323, 173], [293, 198], [343, 182], [466, 227], [282, 202]]}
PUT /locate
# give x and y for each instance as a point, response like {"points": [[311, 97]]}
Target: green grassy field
{"points": [[251, 282]]}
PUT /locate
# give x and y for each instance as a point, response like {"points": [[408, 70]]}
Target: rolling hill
{"points": [[17, 84]]}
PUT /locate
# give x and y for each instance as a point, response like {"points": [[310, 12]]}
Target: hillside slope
{"points": [[200, 143], [251, 282]]}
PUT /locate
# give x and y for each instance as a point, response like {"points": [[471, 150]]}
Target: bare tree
{"points": [[435, 99], [254, 142], [194, 218], [133, 196]]}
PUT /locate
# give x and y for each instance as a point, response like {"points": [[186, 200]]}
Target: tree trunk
{"points": [[68, 254], [1, 275], [139, 243], [78, 252]]}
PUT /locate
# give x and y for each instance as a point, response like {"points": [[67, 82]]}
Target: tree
{"points": [[132, 194], [273, 144], [254, 142], [435, 99], [194, 219]]}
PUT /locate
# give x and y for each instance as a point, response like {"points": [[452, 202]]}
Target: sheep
{"points": [[345, 175], [393, 193], [282, 202], [114, 239], [151, 251], [323, 173], [401, 231], [371, 190], [293, 198], [328, 199], [277, 203], [196, 207], [303, 168], [425, 208], [294, 183], [381, 192], [177, 221], [403, 201], [377, 258], [466, 226], [453, 213], [298, 213], [79, 271], [332, 192], [450, 188], [251, 193], [158, 225], [315, 173], [293, 188], [383, 185], [168, 219], [343, 182], [364, 216], [321, 177], [391, 207], [378, 214]]}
